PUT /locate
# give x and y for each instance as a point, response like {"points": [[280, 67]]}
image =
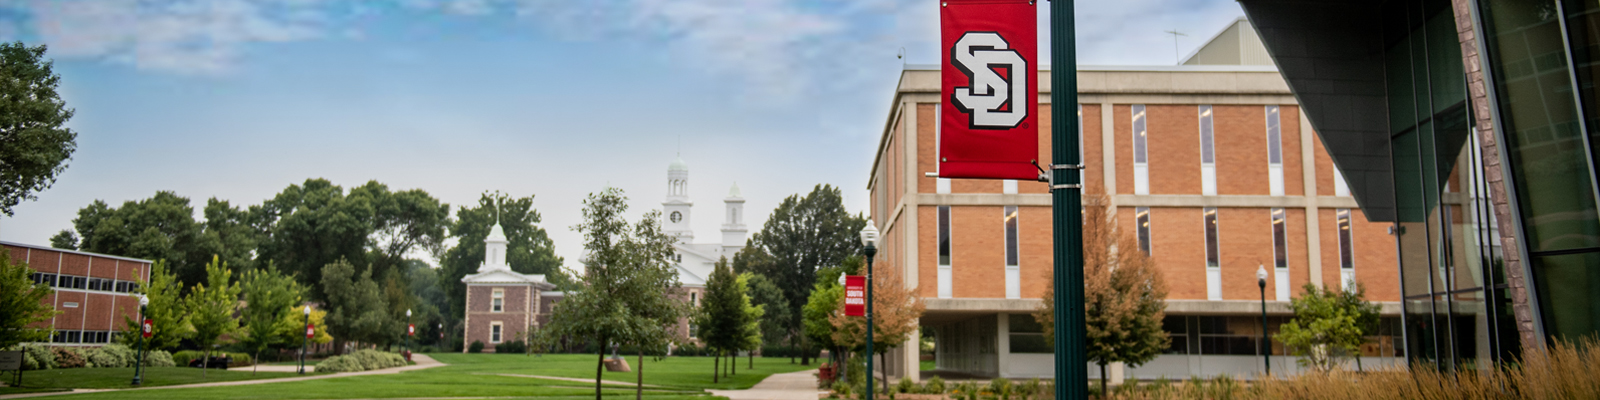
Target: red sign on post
{"points": [[411, 329], [311, 330], [855, 295], [989, 122], [148, 327]]}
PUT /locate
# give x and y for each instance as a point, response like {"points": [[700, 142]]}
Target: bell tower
{"points": [[733, 230], [676, 208]]}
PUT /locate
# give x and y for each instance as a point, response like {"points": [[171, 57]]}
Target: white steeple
{"points": [[676, 208], [494, 252], [733, 230]]}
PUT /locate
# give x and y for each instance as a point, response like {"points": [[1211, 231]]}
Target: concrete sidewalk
{"points": [[422, 362], [801, 385]]}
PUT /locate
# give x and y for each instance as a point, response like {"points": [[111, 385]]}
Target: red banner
{"points": [[148, 327], [311, 330], [411, 329], [855, 295], [989, 125]]}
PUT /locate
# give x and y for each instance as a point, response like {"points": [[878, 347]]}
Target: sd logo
{"points": [[991, 101]]}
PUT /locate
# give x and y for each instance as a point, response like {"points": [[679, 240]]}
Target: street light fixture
{"points": [[1266, 344], [409, 328], [138, 369], [303, 341], [869, 237]]}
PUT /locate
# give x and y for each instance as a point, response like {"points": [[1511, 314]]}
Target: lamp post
{"points": [[869, 237], [138, 369], [303, 341], [1266, 345], [409, 328]]}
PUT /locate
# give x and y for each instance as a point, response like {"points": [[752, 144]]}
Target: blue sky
{"points": [[237, 99]]}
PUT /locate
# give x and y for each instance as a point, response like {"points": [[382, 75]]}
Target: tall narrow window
{"points": [[1280, 253], [944, 274], [1142, 217], [1141, 166], [497, 303], [1274, 151], [494, 332], [1347, 264], [1013, 271], [1208, 156], [1213, 258]]}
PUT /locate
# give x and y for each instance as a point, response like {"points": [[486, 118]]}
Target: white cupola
{"points": [[677, 206], [733, 229], [494, 252]]}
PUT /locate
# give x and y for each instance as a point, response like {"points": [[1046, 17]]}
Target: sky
{"points": [[238, 99]]}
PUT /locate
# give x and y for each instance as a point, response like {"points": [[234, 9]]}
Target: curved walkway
{"points": [[800, 385], [422, 362]]}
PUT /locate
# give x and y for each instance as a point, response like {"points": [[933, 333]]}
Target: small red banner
{"points": [[148, 328], [411, 329], [311, 331], [855, 295], [990, 86]]}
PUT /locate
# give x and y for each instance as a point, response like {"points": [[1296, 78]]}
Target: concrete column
{"points": [[1002, 349], [1308, 162]]}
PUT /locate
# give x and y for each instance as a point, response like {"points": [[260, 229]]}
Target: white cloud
{"points": [[183, 36]]}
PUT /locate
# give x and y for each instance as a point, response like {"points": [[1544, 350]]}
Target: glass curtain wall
{"points": [[1445, 233], [1541, 56]]}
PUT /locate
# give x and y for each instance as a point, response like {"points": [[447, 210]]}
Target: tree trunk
{"points": [[733, 362], [205, 363], [805, 356], [639, 393], [1103, 393], [716, 370], [883, 362], [255, 365], [752, 360], [791, 347], [599, 369]]}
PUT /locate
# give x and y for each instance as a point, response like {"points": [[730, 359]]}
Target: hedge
{"points": [[361, 360], [182, 357]]}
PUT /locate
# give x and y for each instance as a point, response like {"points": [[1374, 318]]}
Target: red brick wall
{"points": [[96, 310]]}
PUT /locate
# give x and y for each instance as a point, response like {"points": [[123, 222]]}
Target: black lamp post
{"points": [[1266, 344], [869, 237], [303, 341], [138, 369], [409, 331]]}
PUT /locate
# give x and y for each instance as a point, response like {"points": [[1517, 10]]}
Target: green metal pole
{"points": [[138, 369], [871, 251], [1066, 195]]}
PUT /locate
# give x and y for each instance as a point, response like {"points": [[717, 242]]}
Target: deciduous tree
{"points": [[35, 142], [167, 311], [1325, 325], [801, 235], [896, 310], [21, 303], [723, 315], [1124, 295], [211, 306], [269, 296], [357, 307]]}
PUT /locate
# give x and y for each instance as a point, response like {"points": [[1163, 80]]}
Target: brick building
{"points": [[502, 305], [1211, 164], [93, 292]]}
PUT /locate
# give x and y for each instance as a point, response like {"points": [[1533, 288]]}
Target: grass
{"points": [[122, 378], [928, 365], [478, 375]]}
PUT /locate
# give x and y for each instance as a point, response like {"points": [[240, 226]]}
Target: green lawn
{"points": [[928, 365], [478, 375], [121, 378]]}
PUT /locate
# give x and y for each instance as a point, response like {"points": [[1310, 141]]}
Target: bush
{"points": [[907, 385], [158, 358], [111, 356], [457, 344], [934, 386], [512, 347], [68, 357], [339, 364], [1000, 387], [477, 347], [361, 360], [36, 357]]}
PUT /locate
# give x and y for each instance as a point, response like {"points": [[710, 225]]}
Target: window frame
{"points": [[1141, 218], [497, 300], [1013, 251], [496, 332], [1212, 237]]}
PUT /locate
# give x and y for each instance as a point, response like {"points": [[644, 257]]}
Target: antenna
{"points": [[1175, 57], [902, 57]]}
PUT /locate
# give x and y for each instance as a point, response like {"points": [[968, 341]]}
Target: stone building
{"points": [[503, 305]]}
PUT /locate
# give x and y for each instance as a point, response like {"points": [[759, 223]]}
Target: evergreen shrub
{"points": [[477, 347]]}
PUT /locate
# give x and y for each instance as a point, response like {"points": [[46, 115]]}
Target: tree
{"points": [[1366, 313], [357, 307], [268, 296], [801, 235], [824, 302], [292, 329], [723, 318], [896, 311], [1324, 325], [1124, 295], [35, 143], [65, 239], [774, 321], [22, 305], [309, 226], [211, 308], [167, 311], [529, 249], [227, 233], [400, 222], [431, 303], [161, 227], [753, 315], [626, 293]]}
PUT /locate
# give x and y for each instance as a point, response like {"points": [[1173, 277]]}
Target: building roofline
{"points": [[1138, 68], [1213, 38], [85, 253]]}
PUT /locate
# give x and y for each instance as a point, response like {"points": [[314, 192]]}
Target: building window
{"points": [[1213, 260], [1011, 236], [1208, 153], [944, 235], [494, 332], [1346, 255], [1274, 151], [1280, 239], [694, 299], [1142, 217], [497, 304], [1141, 168], [1027, 335]]}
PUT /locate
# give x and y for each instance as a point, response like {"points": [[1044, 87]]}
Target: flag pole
{"points": [[1066, 200]]}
